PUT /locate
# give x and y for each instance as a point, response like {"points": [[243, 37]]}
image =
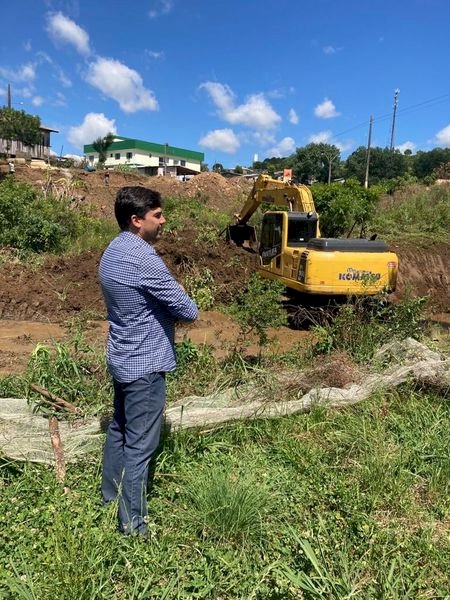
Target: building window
{"points": [[183, 163], [117, 155], [176, 162], [110, 155], [129, 155], [161, 161], [149, 155], [91, 158]]}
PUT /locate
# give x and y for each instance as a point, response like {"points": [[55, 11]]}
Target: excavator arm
{"points": [[297, 198]]}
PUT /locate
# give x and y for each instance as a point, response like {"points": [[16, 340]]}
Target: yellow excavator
{"points": [[291, 250]]}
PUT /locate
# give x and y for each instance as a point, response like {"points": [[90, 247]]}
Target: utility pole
{"points": [[330, 157], [369, 141], [165, 159], [9, 95], [396, 94]]}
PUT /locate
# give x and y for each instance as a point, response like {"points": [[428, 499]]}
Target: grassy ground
{"points": [[326, 505]]}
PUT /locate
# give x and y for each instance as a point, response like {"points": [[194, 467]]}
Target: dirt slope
{"points": [[65, 286]]}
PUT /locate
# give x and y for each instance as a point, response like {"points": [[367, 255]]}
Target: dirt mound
{"points": [[90, 190], [425, 271], [63, 287]]}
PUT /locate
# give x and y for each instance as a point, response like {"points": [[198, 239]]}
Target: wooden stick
{"points": [[58, 450], [59, 402]]}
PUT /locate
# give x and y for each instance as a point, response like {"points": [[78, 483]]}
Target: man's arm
{"points": [[157, 280]]}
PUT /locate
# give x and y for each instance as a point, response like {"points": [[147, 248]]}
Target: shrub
{"points": [[201, 287], [360, 327], [343, 207], [30, 222], [258, 307]]}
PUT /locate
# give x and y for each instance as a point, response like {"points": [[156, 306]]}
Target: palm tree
{"points": [[101, 145]]}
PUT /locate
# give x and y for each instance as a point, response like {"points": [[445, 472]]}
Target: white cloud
{"points": [[326, 137], [160, 8], [256, 112], [93, 126], [330, 49], [117, 81], [60, 100], [62, 77], [322, 137], [326, 110], [154, 55], [284, 148], [26, 72], [262, 138], [443, 136], [406, 146], [27, 46], [63, 29], [293, 117], [223, 140], [37, 101]]}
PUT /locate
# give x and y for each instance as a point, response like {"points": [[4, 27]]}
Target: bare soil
{"points": [[36, 301]]}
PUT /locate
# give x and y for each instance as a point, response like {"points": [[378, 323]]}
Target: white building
{"points": [[148, 158]]}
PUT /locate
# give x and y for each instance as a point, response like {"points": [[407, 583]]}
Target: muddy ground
{"points": [[36, 301]]}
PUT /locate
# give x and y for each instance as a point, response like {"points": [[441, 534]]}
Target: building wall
{"points": [[136, 156], [13, 147]]}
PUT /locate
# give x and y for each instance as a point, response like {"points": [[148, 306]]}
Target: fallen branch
{"points": [[58, 402]]}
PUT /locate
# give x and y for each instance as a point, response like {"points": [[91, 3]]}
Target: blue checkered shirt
{"points": [[143, 301]]}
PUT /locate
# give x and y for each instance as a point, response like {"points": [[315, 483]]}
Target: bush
{"points": [[201, 288], [258, 307], [359, 328], [32, 223], [343, 207], [40, 222]]}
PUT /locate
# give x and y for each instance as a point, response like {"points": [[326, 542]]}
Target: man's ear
{"points": [[135, 221]]}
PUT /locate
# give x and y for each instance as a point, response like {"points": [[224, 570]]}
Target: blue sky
{"points": [[232, 79]]}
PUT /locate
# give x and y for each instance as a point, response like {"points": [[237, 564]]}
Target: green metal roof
{"points": [[159, 149]]}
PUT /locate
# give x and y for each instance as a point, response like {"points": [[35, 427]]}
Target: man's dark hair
{"points": [[134, 200]]}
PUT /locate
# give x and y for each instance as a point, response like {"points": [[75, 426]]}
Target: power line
{"points": [[431, 102]]}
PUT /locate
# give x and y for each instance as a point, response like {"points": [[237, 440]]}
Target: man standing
{"points": [[143, 301]]}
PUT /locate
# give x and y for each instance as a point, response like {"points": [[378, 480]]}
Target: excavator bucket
{"points": [[241, 235]]}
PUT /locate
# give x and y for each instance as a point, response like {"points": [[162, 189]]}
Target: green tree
{"points": [[317, 162], [384, 164], [427, 162], [204, 168], [101, 145], [343, 207], [238, 169], [17, 125], [217, 168], [272, 165]]}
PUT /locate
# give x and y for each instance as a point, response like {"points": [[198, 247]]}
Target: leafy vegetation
{"points": [[258, 307], [44, 222], [415, 212], [101, 145], [19, 126], [326, 505], [320, 162], [364, 325], [344, 208]]}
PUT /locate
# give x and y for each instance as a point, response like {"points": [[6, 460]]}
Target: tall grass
{"points": [[416, 212], [327, 505]]}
